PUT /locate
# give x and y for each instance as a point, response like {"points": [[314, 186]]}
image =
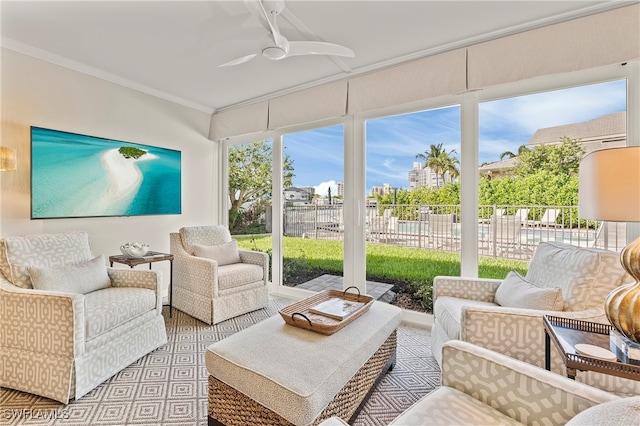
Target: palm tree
{"points": [[440, 161], [450, 165], [521, 150]]}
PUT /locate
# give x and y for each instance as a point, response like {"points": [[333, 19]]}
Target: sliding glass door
{"points": [[312, 203], [412, 204]]}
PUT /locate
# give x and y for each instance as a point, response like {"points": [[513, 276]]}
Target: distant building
{"points": [[420, 176], [341, 189], [298, 196], [381, 190], [608, 131]]}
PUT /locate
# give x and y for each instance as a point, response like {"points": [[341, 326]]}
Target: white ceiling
{"points": [[172, 49]]}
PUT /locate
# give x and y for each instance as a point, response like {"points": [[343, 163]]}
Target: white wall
{"points": [[38, 93]]}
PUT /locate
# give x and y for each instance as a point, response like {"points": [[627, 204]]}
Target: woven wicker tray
{"points": [[298, 313]]}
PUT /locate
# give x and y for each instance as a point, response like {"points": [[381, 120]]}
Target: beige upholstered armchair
{"points": [[482, 387], [506, 315], [67, 321], [212, 279]]}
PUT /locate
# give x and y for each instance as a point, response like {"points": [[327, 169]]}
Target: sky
{"points": [[393, 142]]}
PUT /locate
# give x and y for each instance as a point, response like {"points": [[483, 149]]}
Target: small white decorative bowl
{"points": [[134, 249]]}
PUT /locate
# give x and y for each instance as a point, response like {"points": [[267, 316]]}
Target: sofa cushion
{"points": [[448, 406], [44, 250], [516, 292], [624, 411], [82, 278], [111, 307], [224, 254], [448, 312], [585, 275], [238, 274], [203, 235]]}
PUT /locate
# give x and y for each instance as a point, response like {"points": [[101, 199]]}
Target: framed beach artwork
{"points": [[75, 176]]}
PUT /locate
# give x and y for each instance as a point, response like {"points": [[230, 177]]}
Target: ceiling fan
{"points": [[275, 46]]}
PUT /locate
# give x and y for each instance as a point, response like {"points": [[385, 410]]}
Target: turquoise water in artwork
{"points": [[71, 178]]}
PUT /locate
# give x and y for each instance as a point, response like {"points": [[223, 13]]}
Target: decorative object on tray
{"points": [[595, 352], [336, 308], [134, 249], [300, 313], [625, 349], [609, 190]]}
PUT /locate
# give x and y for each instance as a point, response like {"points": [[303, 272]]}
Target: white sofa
{"points": [[467, 309], [482, 387], [82, 323], [213, 280]]}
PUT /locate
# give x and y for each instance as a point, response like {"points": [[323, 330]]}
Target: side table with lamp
{"points": [[609, 190]]}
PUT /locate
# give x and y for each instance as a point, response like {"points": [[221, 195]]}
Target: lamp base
{"points": [[623, 304]]}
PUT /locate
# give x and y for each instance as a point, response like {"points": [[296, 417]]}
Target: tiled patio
{"points": [[334, 282]]}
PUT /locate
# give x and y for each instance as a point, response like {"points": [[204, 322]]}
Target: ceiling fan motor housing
{"points": [[274, 52]]}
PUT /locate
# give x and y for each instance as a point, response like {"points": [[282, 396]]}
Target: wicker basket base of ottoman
{"points": [[229, 407]]}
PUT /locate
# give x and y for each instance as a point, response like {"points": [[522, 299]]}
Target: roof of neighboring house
{"points": [[509, 163], [611, 126]]}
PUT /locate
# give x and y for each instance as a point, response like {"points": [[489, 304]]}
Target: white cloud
{"points": [[323, 188], [554, 108]]}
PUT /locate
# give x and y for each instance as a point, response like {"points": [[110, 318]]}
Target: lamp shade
{"points": [[609, 189], [609, 185], [7, 159]]}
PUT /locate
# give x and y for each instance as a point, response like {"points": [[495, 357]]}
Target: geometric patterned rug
{"points": [[169, 385]]}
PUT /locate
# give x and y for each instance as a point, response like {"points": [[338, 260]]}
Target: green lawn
{"points": [[393, 264]]}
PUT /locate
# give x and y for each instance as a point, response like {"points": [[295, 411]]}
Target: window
{"points": [[530, 148]]}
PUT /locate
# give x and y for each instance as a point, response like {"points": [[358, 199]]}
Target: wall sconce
{"points": [[7, 159]]}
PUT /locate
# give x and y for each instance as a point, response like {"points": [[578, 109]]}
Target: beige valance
{"points": [[306, 106], [240, 121], [425, 78], [597, 40]]}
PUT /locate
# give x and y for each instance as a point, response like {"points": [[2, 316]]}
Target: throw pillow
{"points": [[225, 254], [515, 292], [81, 278]]}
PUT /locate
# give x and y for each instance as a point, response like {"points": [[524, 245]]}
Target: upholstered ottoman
{"points": [[275, 373]]}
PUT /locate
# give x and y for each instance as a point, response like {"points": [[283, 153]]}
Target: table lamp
{"points": [[609, 190]]}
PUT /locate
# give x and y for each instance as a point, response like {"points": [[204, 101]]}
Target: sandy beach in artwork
{"points": [[124, 176]]}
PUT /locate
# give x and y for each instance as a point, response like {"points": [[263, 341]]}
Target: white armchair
{"points": [[82, 323], [466, 309], [213, 280]]}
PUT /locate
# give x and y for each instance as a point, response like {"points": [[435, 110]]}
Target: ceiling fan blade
{"points": [[239, 61], [297, 48]]}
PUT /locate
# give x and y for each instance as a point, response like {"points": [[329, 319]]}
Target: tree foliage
{"points": [[508, 154], [563, 158], [545, 175], [250, 181], [542, 188], [440, 161], [131, 152]]}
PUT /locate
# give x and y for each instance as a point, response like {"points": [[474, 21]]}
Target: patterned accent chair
{"points": [[467, 309], [213, 280], [482, 387], [67, 321]]}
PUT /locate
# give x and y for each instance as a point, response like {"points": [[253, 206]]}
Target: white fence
{"points": [[503, 231]]}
